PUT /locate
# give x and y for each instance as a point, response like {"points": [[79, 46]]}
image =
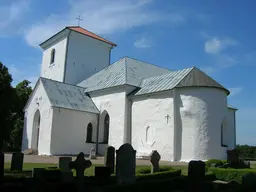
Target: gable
{"points": [[37, 95]]}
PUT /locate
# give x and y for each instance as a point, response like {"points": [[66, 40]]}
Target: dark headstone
{"points": [[102, 172], [17, 161], [93, 153], [64, 163], [196, 175], [249, 179], [126, 164], [67, 176], [154, 159], [233, 156], [1, 169], [80, 164], [109, 159], [38, 173]]}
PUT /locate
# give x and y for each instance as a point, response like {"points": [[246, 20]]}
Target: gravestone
{"points": [[109, 159], [126, 164], [17, 161], [1, 169], [38, 173], [64, 163], [249, 179], [93, 153], [233, 157], [102, 172], [154, 159], [196, 175], [80, 164]]}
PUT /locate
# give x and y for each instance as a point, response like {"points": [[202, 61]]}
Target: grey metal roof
{"points": [[68, 96], [126, 71], [232, 107], [163, 82], [190, 77]]}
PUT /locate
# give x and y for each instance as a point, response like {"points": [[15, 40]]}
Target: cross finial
{"points": [[79, 19]]}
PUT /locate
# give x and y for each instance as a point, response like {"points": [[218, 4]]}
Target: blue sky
{"points": [[216, 36]]}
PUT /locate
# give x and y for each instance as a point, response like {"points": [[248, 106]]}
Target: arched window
{"points": [[223, 134], [89, 133], [149, 135], [52, 56], [106, 129]]}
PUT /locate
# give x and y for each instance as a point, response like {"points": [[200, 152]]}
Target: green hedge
{"points": [[159, 175], [147, 169], [215, 161], [230, 174]]}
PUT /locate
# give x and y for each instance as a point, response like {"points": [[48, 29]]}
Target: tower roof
{"points": [[90, 34], [80, 30]]}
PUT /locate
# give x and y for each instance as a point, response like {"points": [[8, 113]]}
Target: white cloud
{"points": [[216, 45], [101, 17], [10, 16], [234, 91], [143, 42]]}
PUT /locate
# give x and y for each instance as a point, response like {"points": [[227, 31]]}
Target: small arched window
{"points": [[89, 133], [52, 56], [149, 136], [106, 129]]}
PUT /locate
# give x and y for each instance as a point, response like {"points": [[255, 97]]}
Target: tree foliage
{"points": [[12, 102], [246, 151]]}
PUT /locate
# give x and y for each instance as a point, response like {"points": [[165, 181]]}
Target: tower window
{"points": [[52, 56]]}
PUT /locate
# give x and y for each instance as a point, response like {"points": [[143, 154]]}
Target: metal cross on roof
{"points": [[79, 19]]}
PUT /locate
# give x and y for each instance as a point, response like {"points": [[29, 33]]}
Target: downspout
{"points": [[174, 125], [97, 136], [234, 129], [129, 121]]}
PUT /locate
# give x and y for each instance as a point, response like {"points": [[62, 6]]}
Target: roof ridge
{"points": [[125, 68], [148, 63], [61, 82], [189, 71]]}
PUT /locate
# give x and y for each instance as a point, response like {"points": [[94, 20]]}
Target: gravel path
{"points": [[99, 160]]}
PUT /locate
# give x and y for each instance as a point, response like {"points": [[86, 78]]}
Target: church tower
{"points": [[74, 54]]}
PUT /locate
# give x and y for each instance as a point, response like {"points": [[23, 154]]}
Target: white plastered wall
{"points": [[85, 57], [201, 112], [112, 101], [54, 71], [69, 131], [151, 111], [29, 134], [231, 140]]}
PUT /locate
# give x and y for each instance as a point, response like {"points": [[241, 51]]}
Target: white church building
{"points": [[82, 101]]}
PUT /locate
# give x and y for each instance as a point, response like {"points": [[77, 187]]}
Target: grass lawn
{"points": [[27, 169]]}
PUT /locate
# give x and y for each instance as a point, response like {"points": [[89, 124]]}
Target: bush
{"points": [[218, 162], [165, 172], [246, 151], [230, 174], [147, 170]]}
